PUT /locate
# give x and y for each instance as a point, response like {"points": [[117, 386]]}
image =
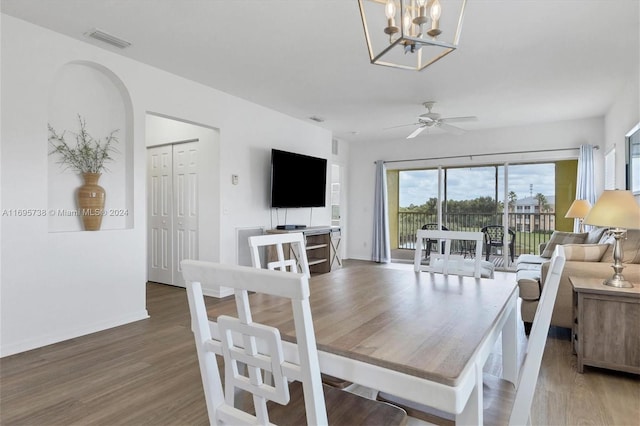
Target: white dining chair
{"points": [[505, 404], [287, 252], [447, 263], [520, 410], [284, 252], [241, 340]]}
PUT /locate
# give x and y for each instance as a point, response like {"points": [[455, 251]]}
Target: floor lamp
{"points": [[619, 211]]}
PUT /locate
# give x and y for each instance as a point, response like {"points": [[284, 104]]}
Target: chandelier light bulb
{"points": [[436, 10], [390, 12], [390, 9]]}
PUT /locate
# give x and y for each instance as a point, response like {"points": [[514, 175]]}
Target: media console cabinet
{"points": [[322, 243]]}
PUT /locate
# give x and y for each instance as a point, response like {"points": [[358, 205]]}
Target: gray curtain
{"points": [[381, 248], [585, 187]]}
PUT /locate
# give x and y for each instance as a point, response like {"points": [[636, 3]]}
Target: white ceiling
{"points": [[519, 61]]}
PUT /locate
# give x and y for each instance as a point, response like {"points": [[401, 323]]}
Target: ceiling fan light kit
{"points": [[408, 34], [432, 119]]}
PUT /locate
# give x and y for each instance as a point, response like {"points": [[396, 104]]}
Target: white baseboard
{"points": [[40, 341]]}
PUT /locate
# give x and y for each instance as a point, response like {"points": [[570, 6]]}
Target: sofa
{"points": [[588, 254]]}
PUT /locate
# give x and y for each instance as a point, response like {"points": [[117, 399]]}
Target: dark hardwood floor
{"points": [[146, 373]]}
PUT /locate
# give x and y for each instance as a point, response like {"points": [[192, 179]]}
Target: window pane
{"points": [[532, 203], [471, 198], [418, 199], [417, 187]]}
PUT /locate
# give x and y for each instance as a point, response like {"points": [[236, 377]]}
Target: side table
{"points": [[606, 329]]}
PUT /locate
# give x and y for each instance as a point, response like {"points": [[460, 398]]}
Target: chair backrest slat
{"points": [[288, 252]]}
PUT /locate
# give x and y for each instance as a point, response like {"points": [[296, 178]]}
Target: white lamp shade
{"points": [[615, 209], [579, 209]]}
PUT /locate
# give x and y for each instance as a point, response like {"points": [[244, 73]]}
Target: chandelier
{"points": [[411, 34]]}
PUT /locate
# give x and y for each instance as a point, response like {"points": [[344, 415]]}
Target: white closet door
{"points": [[160, 240], [185, 178], [173, 210]]}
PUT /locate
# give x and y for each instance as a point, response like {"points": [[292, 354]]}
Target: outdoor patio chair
{"points": [[493, 236]]}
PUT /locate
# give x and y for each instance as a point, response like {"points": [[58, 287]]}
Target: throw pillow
{"points": [[585, 252], [594, 235], [630, 248], [562, 238], [606, 238]]}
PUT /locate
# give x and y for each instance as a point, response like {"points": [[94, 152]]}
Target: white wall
{"points": [[621, 117], [55, 286], [549, 136]]}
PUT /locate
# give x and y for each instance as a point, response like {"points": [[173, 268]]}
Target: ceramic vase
{"points": [[91, 198]]}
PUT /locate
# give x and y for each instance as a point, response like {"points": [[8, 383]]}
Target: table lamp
{"points": [[579, 210], [618, 210]]}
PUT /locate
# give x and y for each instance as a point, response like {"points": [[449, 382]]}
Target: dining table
{"points": [[424, 337]]}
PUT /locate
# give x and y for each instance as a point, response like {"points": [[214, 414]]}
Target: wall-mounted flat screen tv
{"points": [[297, 180]]}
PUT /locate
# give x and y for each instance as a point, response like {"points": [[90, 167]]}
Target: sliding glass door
{"points": [[522, 196]]}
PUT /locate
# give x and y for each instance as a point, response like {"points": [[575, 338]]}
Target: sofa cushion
{"points": [[525, 260], [529, 267], [529, 284], [630, 248], [585, 252], [562, 238]]}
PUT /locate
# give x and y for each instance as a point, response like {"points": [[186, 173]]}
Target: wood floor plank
{"points": [[146, 373]]}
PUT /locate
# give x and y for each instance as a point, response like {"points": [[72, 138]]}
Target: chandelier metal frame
{"points": [[410, 43]]}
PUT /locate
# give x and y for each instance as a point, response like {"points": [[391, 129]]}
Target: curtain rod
{"points": [[486, 155]]}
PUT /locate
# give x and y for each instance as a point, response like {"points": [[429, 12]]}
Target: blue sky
{"points": [[417, 186]]}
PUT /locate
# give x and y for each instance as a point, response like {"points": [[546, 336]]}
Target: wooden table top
{"points": [[421, 324]]}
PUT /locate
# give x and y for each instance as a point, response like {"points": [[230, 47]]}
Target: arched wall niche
{"points": [[96, 94]]}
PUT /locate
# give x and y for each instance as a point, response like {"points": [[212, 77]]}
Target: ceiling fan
{"points": [[433, 119]]}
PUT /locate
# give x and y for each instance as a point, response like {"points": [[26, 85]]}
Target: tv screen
{"points": [[297, 180]]}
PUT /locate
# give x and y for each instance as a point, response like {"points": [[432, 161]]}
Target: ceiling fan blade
{"points": [[416, 132], [451, 129], [402, 125], [458, 119]]}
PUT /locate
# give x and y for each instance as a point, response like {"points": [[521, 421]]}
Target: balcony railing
{"points": [[531, 229]]}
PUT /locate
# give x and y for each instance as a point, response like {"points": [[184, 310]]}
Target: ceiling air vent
{"points": [[108, 38]]}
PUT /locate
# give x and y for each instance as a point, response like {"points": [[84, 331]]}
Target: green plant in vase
{"points": [[87, 157]]}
